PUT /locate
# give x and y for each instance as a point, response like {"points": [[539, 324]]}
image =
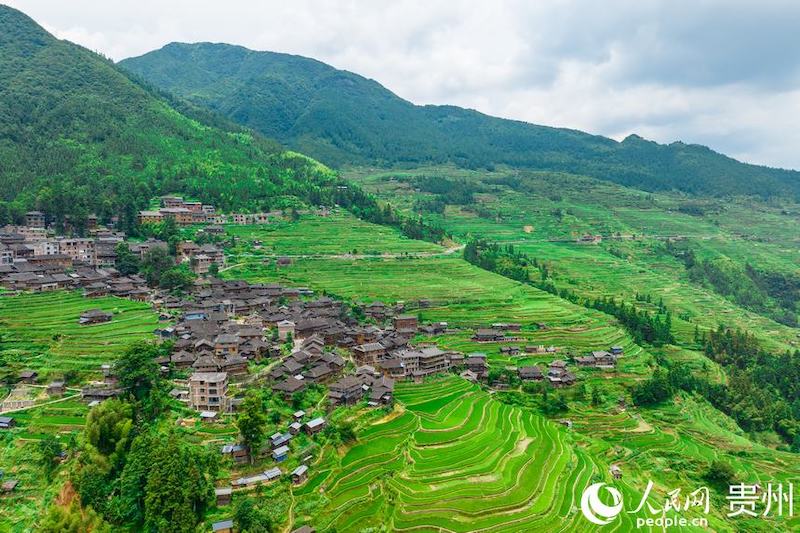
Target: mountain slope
{"points": [[78, 135], [342, 118]]}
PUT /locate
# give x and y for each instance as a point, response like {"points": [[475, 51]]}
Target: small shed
{"points": [[272, 473], [56, 388], [94, 316], [237, 452], [6, 422], [280, 439], [300, 474], [208, 416], [28, 376], [315, 426], [280, 454], [223, 495]]}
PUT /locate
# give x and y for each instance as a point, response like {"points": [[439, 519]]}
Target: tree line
{"points": [[644, 326]]}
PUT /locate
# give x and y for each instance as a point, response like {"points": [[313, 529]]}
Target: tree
{"points": [[127, 262], [108, 429], [177, 278], [179, 485], [796, 443], [154, 263], [250, 519], [298, 398], [557, 404], [597, 397], [167, 483], [720, 474], [653, 391], [140, 376], [72, 519], [581, 392], [342, 432], [49, 454], [213, 270], [252, 422]]}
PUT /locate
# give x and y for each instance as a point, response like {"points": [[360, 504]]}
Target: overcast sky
{"points": [[724, 73]]}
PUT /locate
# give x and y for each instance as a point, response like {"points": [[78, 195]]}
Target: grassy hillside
{"points": [[542, 214], [77, 135], [342, 118], [41, 332]]}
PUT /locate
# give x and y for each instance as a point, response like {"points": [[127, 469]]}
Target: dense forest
{"points": [[342, 118], [761, 392], [77, 135], [80, 136]]}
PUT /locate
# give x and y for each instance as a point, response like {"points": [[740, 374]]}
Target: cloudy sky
{"points": [[724, 73]]}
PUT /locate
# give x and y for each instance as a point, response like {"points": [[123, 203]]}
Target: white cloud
{"points": [[724, 73]]}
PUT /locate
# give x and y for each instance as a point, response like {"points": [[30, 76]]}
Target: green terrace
{"points": [[544, 213], [455, 459], [41, 331], [336, 234]]}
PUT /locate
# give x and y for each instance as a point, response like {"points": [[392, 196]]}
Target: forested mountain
{"points": [[342, 118], [78, 135]]}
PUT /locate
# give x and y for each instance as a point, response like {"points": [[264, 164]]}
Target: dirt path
{"points": [[400, 255], [62, 399]]}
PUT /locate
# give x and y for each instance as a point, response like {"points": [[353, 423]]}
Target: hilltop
{"points": [[78, 135], [344, 119]]}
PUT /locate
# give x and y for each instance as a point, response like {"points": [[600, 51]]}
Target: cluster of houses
{"points": [[183, 212], [200, 257], [224, 325], [33, 258], [19, 245], [500, 332], [186, 213], [589, 239], [601, 358], [366, 381], [559, 376], [92, 281], [311, 363], [43, 273], [278, 448]]}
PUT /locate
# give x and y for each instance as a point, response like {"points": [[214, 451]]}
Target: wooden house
{"points": [[300, 474], [223, 495]]}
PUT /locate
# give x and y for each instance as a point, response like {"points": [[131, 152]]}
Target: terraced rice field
{"points": [[339, 233], [41, 331], [594, 272], [454, 459]]}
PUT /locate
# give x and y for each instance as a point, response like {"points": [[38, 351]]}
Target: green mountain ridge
{"points": [[80, 135], [344, 119]]}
